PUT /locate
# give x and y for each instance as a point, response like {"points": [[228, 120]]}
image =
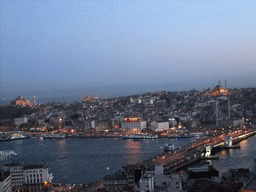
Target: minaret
{"points": [[228, 109], [34, 100], [105, 95], [226, 85], [21, 101], [217, 118], [81, 97]]}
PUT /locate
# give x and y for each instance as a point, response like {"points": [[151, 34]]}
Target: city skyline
{"points": [[55, 49]]}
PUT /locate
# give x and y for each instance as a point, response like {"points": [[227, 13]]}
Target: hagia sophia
{"points": [[21, 101]]}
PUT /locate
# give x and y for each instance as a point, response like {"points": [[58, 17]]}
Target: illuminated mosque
{"points": [[20, 101], [218, 90]]}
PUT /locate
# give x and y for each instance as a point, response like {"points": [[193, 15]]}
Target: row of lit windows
{"points": [[34, 175], [35, 180]]}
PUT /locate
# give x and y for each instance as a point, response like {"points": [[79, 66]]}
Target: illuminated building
{"points": [[159, 126], [89, 97], [218, 90], [20, 101], [133, 124]]}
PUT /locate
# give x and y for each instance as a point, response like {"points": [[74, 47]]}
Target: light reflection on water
{"points": [[237, 158], [86, 160]]}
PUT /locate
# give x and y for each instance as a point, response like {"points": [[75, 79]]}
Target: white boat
{"points": [[140, 136], [7, 153], [16, 136]]}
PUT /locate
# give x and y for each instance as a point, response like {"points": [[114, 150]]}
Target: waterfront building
{"points": [[5, 182], [133, 124], [20, 121], [159, 126], [103, 125]]}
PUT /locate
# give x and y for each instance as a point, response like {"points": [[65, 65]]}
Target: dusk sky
{"points": [[59, 48]]}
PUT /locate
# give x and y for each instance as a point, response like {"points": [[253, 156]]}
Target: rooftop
{"points": [[251, 184], [116, 176], [35, 166]]}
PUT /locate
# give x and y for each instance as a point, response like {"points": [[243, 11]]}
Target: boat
{"points": [[55, 136], [168, 147], [48, 136], [16, 136], [140, 136], [7, 153], [58, 136]]}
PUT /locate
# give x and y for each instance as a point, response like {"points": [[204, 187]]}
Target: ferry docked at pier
{"points": [[140, 136], [16, 136]]}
